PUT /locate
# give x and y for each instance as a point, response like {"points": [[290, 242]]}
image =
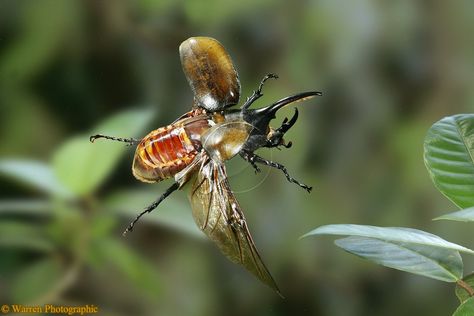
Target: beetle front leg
{"points": [[275, 139], [258, 93], [249, 158], [253, 159], [129, 141]]}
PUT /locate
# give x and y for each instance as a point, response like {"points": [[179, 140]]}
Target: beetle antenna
{"points": [[129, 141]]}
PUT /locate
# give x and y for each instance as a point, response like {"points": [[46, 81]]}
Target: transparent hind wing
{"points": [[218, 214]]}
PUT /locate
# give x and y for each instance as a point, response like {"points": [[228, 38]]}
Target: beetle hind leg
{"points": [[253, 159], [151, 207], [129, 141]]}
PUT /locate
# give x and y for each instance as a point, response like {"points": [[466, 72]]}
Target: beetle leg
{"points": [[286, 125], [253, 158], [288, 145], [152, 206], [258, 93], [129, 141], [276, 138], [249, 158]]}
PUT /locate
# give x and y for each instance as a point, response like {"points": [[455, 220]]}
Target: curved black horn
{"points": [[269, 111]]}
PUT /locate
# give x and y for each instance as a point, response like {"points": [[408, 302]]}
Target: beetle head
{"points": [[260, 118]]}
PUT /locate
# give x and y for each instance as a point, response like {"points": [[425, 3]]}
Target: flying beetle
{"points": [[193, 149]]}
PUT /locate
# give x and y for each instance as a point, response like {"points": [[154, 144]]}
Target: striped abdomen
{"points": [[168, 150]]}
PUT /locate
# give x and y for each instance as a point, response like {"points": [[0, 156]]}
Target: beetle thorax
{"points": [[225, 139]]}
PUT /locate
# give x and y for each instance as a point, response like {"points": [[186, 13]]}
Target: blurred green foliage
{"points": [[388, 70], [77, 230]]}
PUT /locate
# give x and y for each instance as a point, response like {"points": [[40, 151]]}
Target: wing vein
{"points": [[218, 214]]}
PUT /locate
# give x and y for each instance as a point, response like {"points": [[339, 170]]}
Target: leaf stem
{"points": [[466, 287]]}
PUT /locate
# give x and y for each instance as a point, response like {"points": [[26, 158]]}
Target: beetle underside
{"points": [[195, 147]]}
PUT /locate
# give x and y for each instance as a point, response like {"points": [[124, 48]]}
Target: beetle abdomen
{"points": [[168, 150]]}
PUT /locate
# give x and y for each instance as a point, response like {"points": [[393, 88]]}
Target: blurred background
{"points": [[68, 69]]}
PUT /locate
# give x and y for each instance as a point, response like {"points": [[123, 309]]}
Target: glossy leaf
{"points": [[82, 166], [461, 293], [404, 249], [466, 215], [36, 280], [34, 174], [449, 158], [174, 212], [466, 308], [391, 234], [437, 263]]}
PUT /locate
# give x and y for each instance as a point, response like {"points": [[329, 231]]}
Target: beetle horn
{"points": [[269, 111]]}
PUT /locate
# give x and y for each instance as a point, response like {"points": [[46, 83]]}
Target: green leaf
{"points": [[174, 212], [404, 249], [437, 263], [466, 215], [102, 225], [393, 234], [34, 174], [461, 293], [449, 158], [17, 235], [35, 280], [82, 166], [466, 308], [26, 207], [129, 263]]}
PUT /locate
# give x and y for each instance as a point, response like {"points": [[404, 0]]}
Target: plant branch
{"points": [[466, 287]]}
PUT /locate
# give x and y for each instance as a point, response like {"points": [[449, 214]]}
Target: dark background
{"points": [[388, 70]]}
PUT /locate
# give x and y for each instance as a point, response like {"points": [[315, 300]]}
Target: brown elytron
{"points": [[194, 148], [210, 73]]}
